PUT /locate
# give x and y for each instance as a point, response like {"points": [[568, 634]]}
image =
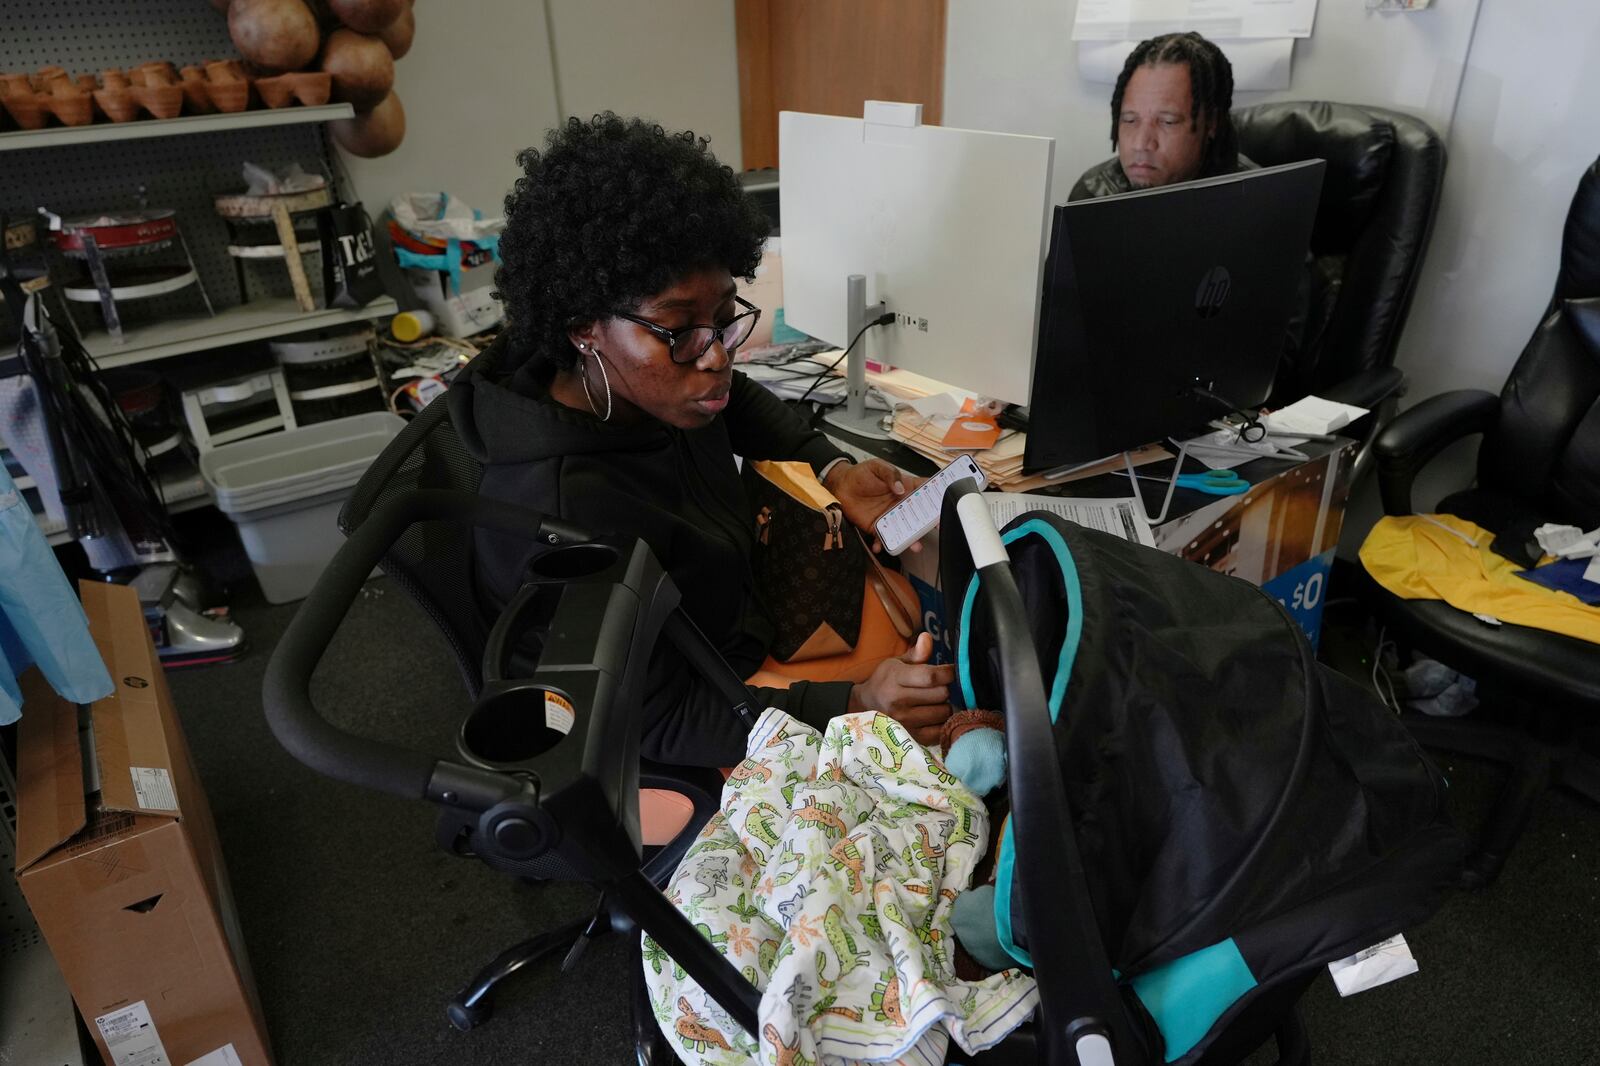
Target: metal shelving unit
{"points": [[104, 132], [254, 321], [105, 167]]}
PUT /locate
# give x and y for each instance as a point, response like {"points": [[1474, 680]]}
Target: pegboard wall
{"points": [[88, 36], [182, 173]]}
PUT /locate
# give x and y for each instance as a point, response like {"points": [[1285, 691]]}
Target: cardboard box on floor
{"points": [[127, 882]]}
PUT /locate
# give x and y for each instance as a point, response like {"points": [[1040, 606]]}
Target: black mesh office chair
{"points": [[433, 562], [1539, 462], [1379, 197]]}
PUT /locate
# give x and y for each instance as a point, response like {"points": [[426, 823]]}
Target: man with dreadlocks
{"points": [[1170, 119]]}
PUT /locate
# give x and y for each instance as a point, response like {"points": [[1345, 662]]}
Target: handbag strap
{"points": [[902, 615]]}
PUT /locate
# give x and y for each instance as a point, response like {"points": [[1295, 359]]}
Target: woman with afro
{"points": [[611, 402]]}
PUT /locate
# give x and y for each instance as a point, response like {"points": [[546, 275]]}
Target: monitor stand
{"points": [[853, 416], [1172, 483]]}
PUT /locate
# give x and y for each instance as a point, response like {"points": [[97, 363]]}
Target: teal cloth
{"points": [[1188, 995], [978, 757], [972, 918]]}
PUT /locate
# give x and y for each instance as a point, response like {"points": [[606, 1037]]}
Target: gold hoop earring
{"points": [[583, 379]]}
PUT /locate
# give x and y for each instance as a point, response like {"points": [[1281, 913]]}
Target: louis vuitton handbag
{"points": [[810, 565]]}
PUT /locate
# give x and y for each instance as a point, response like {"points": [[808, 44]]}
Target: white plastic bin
{"points": [[284, 491]]}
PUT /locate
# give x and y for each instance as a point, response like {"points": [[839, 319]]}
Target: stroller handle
{"points": [[286, 689], [1081, 1018]]}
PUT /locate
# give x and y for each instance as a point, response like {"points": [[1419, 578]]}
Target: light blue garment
{"points": [[978, 757], [41, 620]]}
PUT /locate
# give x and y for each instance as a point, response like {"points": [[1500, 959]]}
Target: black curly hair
{"points": [[611, 212], [1210, 87]]}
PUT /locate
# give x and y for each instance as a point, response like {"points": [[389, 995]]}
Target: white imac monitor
{"points": [[947, 227]]}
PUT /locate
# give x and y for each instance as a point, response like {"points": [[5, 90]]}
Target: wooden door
{"points": [[829, 56]]}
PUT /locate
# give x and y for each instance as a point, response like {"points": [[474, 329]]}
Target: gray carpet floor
{"points": [[359, 929]]}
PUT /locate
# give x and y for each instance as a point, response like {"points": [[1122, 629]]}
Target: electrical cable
{"points": [[1380, 676], [881, 320]]}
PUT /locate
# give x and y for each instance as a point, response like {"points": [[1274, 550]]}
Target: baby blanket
{"points": [[828, 878]]}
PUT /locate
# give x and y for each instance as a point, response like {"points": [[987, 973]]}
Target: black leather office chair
{"points": [[1539, 462], [432, 562], [1379, 198]]}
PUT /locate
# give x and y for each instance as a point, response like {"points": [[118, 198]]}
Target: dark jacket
{"points": [[1107, 179], [677, 490]]}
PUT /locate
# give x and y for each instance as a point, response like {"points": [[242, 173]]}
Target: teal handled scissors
{"points": [[1214, 483]]}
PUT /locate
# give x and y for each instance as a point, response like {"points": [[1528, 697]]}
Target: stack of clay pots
{"points": [[351, 43], [294, 52], [151, 90]]}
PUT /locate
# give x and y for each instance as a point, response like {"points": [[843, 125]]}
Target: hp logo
{"points": [[1213, 292]]}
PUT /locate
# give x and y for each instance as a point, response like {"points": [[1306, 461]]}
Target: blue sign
{"points": [[1302, 591], [932, 601]]}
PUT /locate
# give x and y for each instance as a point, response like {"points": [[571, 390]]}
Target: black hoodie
{"points": [[677, 490]]}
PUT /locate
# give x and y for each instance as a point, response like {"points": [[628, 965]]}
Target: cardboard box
{"points": [[117, 856]]}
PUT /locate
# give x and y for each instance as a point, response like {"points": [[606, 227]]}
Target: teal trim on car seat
{"points": [[1187, 996], [1006, 860]]}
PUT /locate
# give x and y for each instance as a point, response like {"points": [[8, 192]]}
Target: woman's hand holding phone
{"points": [[868, 490]]}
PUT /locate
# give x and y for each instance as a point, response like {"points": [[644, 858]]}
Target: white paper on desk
{"points": [[1264, 64], [1313, 415], [1121, 518], [940, 405], [1135, 20]]}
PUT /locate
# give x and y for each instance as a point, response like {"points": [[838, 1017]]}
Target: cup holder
{"points": [[516, 725], [573, 560]]}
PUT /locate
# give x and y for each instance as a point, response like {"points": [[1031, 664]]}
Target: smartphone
{"points": [[907, 521]]}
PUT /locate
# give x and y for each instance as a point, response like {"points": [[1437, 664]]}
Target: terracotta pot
{"points": [[274, 34], [309, 88], [117, 103], [228, 85], [361, 67], [399, 34], [367, 16], [21, 102], [162, 101], [196, 93], [160, 73], [376, 133], [72, 110]]}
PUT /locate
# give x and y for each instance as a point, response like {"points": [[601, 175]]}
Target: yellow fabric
{"points": [[1416, 559]]}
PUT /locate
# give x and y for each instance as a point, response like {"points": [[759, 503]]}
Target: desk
{"points": [[1280, 535]]}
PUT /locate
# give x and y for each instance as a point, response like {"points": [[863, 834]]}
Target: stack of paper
{"points": [[1002, 464], [1121, 518], [1313, 415]]}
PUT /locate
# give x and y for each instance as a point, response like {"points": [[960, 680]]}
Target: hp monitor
{"points": [[1164, 306]]}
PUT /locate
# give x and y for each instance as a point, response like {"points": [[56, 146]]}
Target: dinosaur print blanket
{"points": [[828, 878]]}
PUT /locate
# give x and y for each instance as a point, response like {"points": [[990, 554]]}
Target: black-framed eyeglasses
{"points": [[688, 344]]}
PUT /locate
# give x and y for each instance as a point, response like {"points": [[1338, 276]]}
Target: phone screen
{"points": [[906, 522]]}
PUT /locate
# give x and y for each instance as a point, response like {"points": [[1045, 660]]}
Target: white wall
{"points": [[674, 61], [1526, 127], [483, 82], [477, 87]]}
